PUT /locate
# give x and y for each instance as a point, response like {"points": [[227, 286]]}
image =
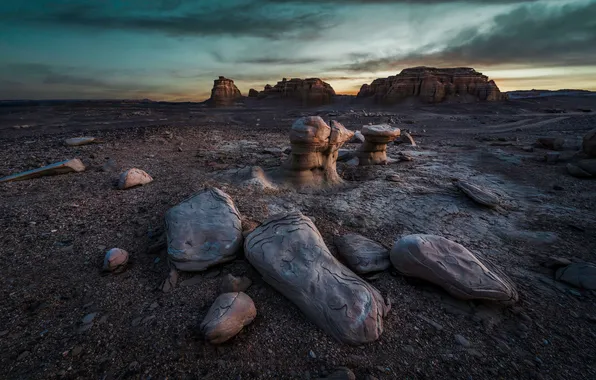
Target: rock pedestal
{"points": [[374, 149], [313, 158], [290, 254], [224, 93]]}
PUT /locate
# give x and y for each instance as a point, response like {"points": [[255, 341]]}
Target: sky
{"points": [[174, 49]]}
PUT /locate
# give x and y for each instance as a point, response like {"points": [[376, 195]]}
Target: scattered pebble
{"points": [[88, 318], [459, 339]]}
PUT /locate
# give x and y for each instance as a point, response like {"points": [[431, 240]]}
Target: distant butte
{"points": [[224, 93], [433, 85], [308, 92]]}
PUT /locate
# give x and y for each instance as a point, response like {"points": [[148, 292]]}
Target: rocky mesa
{"points": [[224, 93], [433, 85], [310, 91]]}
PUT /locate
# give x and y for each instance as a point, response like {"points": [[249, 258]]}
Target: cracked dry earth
{"points": [[61, 317]]}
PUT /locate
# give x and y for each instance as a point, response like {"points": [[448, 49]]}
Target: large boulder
{"points": [[203, 231], [63, 167], [309, 92], [589, 143], [228, 315], [432, 85], [581, 275], [362, 254], [290, 254], [224, 93], [452, 267]]}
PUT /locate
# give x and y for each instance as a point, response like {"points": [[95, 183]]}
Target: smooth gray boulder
{"points": [[362, 254], [452, 267], [203, 231], [63, 167], [580, 275], [290, 254], [228, 315]]}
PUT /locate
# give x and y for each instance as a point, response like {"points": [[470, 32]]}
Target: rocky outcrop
{"points": [[432, 85], [224, 93], [115, 260], [308, 92], [132, 178], [252, 93]]}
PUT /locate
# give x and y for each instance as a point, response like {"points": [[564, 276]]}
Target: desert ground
{"points": [[55, 232]]}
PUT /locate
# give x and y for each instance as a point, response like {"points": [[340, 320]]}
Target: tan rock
{"points": [[224, 93], [228, 315], [310, 91], [115, 260], [589, 143], [450, 266], [133, 177], [70, 166], [77, 141], [374, 149], [362, 254]]}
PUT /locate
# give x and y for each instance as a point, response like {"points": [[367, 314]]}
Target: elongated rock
{"points": [[228, 315], [290, 254], [78, 141], [479, 194], [451, 266], [580, 275], [133, 177], [362, 254], [63, 167], [203, 231]]}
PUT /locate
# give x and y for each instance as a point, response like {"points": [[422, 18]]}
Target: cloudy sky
{"points": [[173, 49]]}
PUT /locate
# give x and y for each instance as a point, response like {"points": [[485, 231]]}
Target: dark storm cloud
{"points": [[198, 19], [536, 34]]}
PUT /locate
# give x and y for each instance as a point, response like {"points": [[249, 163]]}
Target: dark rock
{"points": [[362, 254], [580, 275]]}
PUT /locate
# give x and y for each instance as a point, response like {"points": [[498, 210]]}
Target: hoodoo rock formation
{"points": [[224, 93], [309, 92], [432, 85]]}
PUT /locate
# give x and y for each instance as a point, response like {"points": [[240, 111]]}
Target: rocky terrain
{"points": [[100, 258], [432, 85]]}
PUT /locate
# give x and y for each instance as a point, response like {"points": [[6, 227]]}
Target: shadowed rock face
{"points": [[203, 231], [581, 275], [432, 85], [589, 143], [451, 266], [310, 91], [227, 316], [374, 149], [224, 93], [290, 254]]}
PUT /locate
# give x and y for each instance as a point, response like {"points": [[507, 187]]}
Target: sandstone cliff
{"points": [[224, 93], [310, 91], [432, 85]]}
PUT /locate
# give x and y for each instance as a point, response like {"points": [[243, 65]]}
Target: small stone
{"points": [[228, 315], [459, 339], [115, 260], [132, 178], [312, 354], [78, 141], [23, 355], [393, 178], [76, 351], [136, 321], [170, 282], [230, 284], [88, 318]]}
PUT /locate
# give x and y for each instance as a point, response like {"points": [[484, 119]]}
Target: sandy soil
{"points": [[55, 231]]}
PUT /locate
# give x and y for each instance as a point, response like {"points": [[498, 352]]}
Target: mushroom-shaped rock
{"points": [[313, 158], [479, 194], [74, 165], [203, 231], [231, 283], [290, 254], [115, 260], [589, 143], [451, 266], [374, 149], [133, 177], [580, 275], [362, 254], [227, 317]]}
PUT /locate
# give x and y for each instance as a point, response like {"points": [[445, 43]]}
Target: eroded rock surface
{"points": [[290, 254], [203, 231], [228, 315], [374, 149], [452, 267], [310, 91], [70, 166], [133, 177], [432, 85], [362, 254], [224, 93], [580, 275]]}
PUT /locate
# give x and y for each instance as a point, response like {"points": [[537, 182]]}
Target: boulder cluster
{"points": [[432, 85]]}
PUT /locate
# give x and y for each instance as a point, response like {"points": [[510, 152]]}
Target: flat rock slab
{"points": [[580, 275], [132, 178], [290, 254], [63, 167], [228, 315], [78, 141], [362, 254], [203, 231], [450, 266], [479, 194]]}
